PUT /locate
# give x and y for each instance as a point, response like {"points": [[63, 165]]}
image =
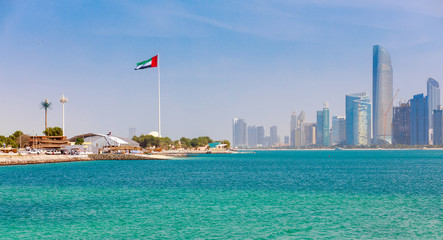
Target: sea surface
{"points": [[267, 194]]}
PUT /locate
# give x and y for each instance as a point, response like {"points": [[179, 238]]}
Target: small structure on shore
{"points": [[98, 143], [48, 142]]}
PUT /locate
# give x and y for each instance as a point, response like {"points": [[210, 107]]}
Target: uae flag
{"points": [[152, 62]]}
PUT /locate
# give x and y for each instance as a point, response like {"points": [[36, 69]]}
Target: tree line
{"points": [[147, 141], [14, 139], [18, 138]]}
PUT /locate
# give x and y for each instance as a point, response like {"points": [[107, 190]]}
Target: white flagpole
{"points": [[158, 71]]}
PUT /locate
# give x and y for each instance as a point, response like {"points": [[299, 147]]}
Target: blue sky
{"points": [[257, 60]]}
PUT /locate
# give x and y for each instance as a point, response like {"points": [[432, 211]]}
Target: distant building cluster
{"points": [[418, 121], [245, 136]]}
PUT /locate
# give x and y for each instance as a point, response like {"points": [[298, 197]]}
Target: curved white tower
{"points": [[382, 95]]}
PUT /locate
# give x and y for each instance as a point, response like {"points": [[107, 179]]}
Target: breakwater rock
{"points": [[37, 159]]}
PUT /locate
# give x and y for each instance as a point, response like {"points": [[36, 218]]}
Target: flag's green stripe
{"points": [[141, 63]]}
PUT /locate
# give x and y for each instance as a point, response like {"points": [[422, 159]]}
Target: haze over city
{"points": [[219, 60]]}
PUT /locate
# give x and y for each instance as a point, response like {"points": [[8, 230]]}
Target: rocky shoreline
{"points": [[39, 159], [17, 159]]}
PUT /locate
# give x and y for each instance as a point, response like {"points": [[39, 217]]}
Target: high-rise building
{"points": [[358, 119], [297, 134], [293, 125], [419, 120], [273, 135], [301, 137], [401, 124], [252, 136], [338, 130], [382, 83], [309, 132], [239, 133], [131, 133], [322, 131], [260, 136], [433, 90], [301, 118], [438, 126], [319, 129]]}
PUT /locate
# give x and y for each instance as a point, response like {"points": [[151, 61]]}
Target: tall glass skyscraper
{"points": [[338, 130], [292, 127], [322, 130], [260, 136], [433, 90], [239, 132], [273, 135], [401, 124], [382, 95], [358, 119], [438, 128], [419, 120], [252, 136]]}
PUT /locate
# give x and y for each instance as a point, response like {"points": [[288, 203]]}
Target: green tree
{"points": [[201, 141], [55, 131], [195, 142], [22, 140], [228, 144], [46, 105], [185, 142], [7, 141], [164, 142], [79, 141], [176, 144], [147, 141], [17, 134]]}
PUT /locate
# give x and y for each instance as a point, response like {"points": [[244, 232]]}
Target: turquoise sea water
{"points": [[269, 194]]}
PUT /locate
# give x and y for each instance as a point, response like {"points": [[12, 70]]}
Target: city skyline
{"points": [[209, 51]]}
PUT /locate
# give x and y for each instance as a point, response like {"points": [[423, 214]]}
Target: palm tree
{"points": [[45, 105]]}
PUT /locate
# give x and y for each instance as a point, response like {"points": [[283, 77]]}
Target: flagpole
{"points": [[158, 71]]}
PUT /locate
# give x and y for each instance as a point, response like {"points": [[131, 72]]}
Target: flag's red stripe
{"points": [[154, 61]]}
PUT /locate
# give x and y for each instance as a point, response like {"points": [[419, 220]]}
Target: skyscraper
{"points": [[419, 120], [252, 136], [301, 137], [309, 132], [239, 131], [401, 124], [433, 90], [293, 125], [438, 127], [358, 119], [260, 136], [338, 129], [322, 130], [382, 83], [273, 135], [319, 129]]}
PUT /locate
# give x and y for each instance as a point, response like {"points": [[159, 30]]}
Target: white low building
{"points": [[96, 142]]}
